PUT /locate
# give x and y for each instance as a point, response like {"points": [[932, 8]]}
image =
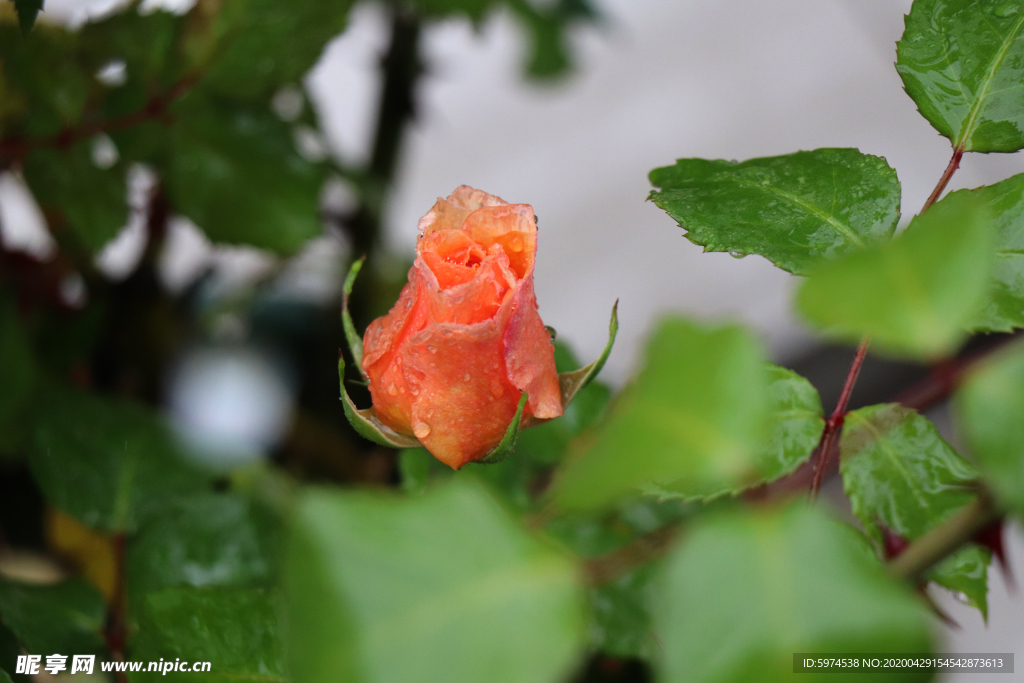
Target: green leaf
{"points": [[46, 88], [1004, 308], [447, 579], [235, 172], [793, 209], [236, 630], [110, 464], [27, 11], [795, 423], [259, 45], [9, 651], [746, 590], [991, 407], [474, 9], [550, 26], [914, 295], [901, 475], [962, 62], [621, 625], [966, 573], [94, 200], [65, 617], [206, 540], [692, 423]]}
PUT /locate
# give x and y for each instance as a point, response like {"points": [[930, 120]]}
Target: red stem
{"points": [[115, 631], [16, 148], [834, 425], [954, 164]]}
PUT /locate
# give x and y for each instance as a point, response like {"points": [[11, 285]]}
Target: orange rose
{"points": [[449, 362]]}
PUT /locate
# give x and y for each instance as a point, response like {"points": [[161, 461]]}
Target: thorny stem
{"points": [[15, 148], [833, 427]]}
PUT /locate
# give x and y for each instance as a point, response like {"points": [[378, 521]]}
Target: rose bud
{"points": [[449, 363]]}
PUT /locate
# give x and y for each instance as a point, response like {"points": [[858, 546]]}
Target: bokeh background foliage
{"points": [[653, 534]]}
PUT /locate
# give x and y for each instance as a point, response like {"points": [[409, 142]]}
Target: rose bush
{"points": [[450, 361]]}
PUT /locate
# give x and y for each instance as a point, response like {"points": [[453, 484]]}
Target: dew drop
{"points": [[401, 390], [422, 430], [393, 390], [431, 348], [433, 364], [516, 244], [465, 378]]}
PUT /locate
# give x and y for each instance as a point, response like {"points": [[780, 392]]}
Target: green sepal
{"points": [[366, 421], [507, 446], [571, 383], [355, 342]]}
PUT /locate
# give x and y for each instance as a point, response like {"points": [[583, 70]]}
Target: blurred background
{"points": [[645, 82]]}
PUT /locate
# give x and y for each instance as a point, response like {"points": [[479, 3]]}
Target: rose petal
{"points": [[530, 355], [382, 365], [463, 398], [510, 226]]}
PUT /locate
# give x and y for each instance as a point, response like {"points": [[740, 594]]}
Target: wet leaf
{"points": [[962, 62], [916, 295], [794, 210], [747, 589]]}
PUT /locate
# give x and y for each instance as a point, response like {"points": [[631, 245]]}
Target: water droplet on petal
{"points": [[497, 390], [422, 430], [393, 390], [431, 348], [516, 244], [401, 390], [465, 378]]}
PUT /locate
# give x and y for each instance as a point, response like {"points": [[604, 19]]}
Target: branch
{"points": [[16, 148], [943, 540], [833, 428], [611, 566]]}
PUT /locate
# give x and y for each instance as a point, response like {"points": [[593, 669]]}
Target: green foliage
{"points": [[65, 617], [27, 11], [746, 590], [9, 651], [17, 376], [708, 417], [695, 412], [915, 295], [991, 405], [111, 464], [507, 445], [250, 48], [93, 199], [1004, 308], [205, 540], [902, 476], [236, 630], [46, 90], [447, 579], [793, 209], [235, 172], [962, 62], [622, 624]]}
